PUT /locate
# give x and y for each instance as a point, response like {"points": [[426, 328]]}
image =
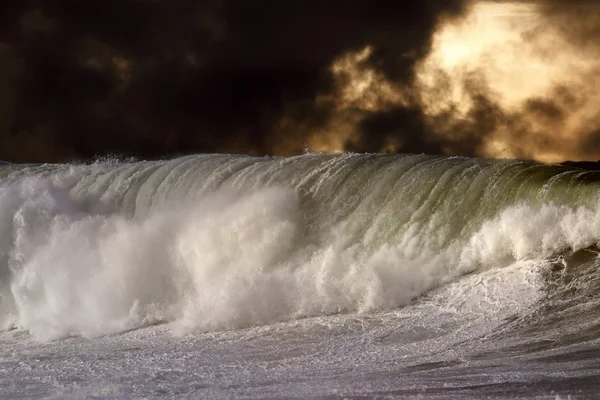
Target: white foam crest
{"points": [[526, 232], [231, 261]]}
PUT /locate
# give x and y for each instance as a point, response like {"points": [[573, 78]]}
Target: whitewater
{"points": [[315, 276]]}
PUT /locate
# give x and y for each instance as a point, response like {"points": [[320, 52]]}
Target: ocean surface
{"points": [[316, 276]]}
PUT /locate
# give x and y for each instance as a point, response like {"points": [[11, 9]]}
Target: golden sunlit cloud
{"points": [[519, 57], [489, 40], [361, 89], [362, 86], [504, 59]]}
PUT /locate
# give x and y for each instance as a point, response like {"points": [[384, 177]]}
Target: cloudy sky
{"points": [[157, 78]]}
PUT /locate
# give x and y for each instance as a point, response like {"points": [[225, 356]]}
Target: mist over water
{"points": [[216, 243]]}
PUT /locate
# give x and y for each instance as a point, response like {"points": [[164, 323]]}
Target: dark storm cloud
{"points": [[153, 78]]}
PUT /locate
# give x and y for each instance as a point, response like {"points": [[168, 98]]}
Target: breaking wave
{"points": [[214, 242]]}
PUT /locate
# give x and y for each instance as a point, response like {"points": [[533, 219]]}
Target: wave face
{"points": [[213, 242]]}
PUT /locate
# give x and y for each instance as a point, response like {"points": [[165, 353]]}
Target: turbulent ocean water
{"points": [[316, 276]]}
